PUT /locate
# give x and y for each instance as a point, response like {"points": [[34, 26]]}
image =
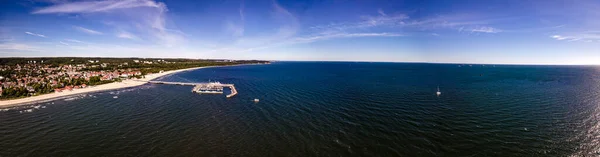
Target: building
{"points": [[30, 89]]}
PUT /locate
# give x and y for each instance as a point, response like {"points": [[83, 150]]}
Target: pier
{"points": [[198, 86]]}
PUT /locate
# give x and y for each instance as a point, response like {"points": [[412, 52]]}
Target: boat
{"points": [[115, 97], [438, 93], [256, 100]]}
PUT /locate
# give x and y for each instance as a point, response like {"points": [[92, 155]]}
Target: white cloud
{"points": [[380, 11], [404, 23], [288, 27], [17, 47], [96, 6], [238, 29], [584, 36], [381, 20], [147, 17], [287, 32], [343, 35], [485, 30], [126, 35], [73, 40], [88, 31], [39, 35], [64, 43]]}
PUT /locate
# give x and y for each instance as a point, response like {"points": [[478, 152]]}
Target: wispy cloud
{"points": [[73, 40], [589, 36], [310, 39], [88, 31], [96, 6], [237, 28], [148, 17], [126, 35], [63, 43], [34, 34], [383, 20], [287, 34], [367, 21], [484, 29], [380, 11], [404, 23], [17, 47], [287, 28], [558, 37], [343, 35]]}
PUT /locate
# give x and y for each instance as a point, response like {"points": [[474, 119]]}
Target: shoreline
{"points": [[110, 86]]}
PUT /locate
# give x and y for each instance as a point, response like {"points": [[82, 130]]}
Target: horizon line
{"points": [[285, 60]]}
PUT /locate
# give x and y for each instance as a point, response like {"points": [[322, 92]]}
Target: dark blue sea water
{"points": [[326, 109]]}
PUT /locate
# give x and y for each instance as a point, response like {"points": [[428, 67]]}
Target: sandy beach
{"points": [[109, 86]]}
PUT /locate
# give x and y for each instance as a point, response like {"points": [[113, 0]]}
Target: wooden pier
{"points": [[230, 86]]}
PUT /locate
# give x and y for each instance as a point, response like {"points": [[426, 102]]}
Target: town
{"points": [[24, 77]]}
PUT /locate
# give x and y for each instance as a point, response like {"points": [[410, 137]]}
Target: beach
{"points": [[109, 86]]}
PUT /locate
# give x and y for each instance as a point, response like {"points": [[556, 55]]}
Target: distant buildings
{"points": [[38, 78]]}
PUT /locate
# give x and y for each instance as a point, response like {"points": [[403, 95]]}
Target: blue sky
{"points": [[461, 31]]}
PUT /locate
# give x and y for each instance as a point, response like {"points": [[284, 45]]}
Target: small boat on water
{"points": [[438, 93], [115, 97], [256, 100]]}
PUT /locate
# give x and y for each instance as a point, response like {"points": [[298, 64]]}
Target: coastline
{"points": [[103, 87]]}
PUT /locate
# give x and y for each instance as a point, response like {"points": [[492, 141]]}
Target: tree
{"points": [[94, 80]]}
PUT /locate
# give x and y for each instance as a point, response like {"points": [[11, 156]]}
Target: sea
{"points": [[325, 109]]}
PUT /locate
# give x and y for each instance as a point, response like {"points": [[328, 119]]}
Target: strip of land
{"points": [[109, 86]]}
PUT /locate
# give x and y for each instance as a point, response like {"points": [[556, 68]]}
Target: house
{"points": [[30, 89], [83, 85], [106, 77]]}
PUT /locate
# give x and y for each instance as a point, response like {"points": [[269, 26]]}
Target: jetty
{"points": [[211, 87]]}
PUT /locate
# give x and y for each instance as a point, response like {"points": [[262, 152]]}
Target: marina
{"points": [[204, 88]]}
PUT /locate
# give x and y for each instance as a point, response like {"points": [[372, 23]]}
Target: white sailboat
{"points": [[438, 93]]}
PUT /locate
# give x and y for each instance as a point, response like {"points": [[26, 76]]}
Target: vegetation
{"points": [[13, 69]]}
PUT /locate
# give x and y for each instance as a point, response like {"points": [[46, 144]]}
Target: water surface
{"points": [[325, 109]]}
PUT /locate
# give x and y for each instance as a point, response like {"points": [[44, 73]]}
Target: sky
{"points": [[439, 31]]}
